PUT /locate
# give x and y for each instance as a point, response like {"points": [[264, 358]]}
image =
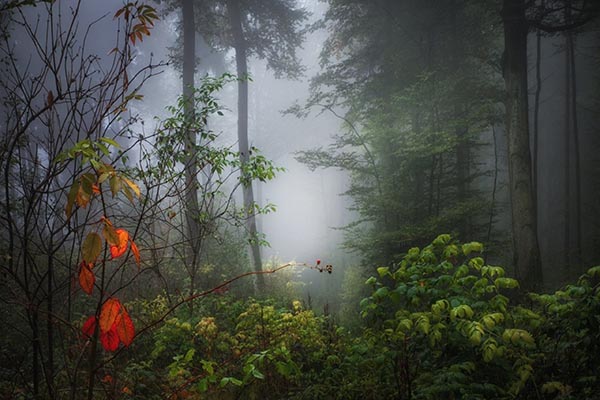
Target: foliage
{"points": [[413, 113], [447, 326], [568, 333], [260, 349]]}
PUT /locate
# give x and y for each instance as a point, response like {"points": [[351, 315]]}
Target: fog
{"points": [[299, 199]]}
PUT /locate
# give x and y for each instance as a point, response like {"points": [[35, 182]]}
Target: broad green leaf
{"points": [[506, 283], [491, 320], [91, 248]]}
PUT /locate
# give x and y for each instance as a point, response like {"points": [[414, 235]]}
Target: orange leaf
{"points": [[119, 249], [110, 339], [86, 277], [125, 328], [89, 326], [136, 253], [108, 314]]}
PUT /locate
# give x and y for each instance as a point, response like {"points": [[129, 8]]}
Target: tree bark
{"points": [[191, 169], [567, 153], [240, 47], [524, 227]]}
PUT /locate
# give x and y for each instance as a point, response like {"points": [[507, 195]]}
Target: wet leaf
{"points": [[91, 248], [86, 277], [89, 326], [120, 248], [136, 253], [110, 234], [110, 310], [125, 328], [110, 339]]}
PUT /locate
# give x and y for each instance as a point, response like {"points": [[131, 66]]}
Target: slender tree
{"points": [[271, 31], [192, 209], [524, 226]]}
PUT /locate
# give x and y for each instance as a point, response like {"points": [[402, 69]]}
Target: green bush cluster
{"points": [[441, 324]]}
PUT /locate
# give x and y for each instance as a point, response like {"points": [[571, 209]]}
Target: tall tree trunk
{"points": [[235, 20], [577, 161], [462, 177], [524, 227], [567, 153], [191, 170], [570, 49], [536, 110]]}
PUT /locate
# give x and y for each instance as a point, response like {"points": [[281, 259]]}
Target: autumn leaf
{"points": [[86, 277], [115, 185], [110, 234], [136, 253], [108, 314], [71, 199], [125, 328], [110, 339], [133, 186], [91, 248], [120, 248], [89, 326]]}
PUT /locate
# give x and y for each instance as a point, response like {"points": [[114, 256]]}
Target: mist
{"points": [[300, 199]]}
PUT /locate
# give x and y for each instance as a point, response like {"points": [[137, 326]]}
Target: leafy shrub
{"points": [[444, 323]]}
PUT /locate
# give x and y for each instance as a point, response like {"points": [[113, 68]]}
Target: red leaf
{"points": [[136, 253], [89, 326], [125, 328], [110, 339], [108, 314], [86, 277], [120, 249]]}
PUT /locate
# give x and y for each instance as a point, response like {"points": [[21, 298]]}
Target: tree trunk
{"points": [[463, 157], [191, 170], [524, 227], [576, 149], [536, 111], [567, 153], [235, 20]]}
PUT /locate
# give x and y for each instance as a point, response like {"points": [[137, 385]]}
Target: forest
{"points": [[300, 199]]}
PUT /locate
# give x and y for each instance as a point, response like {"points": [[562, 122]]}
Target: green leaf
{"points": [[110, 142], [442, 239], [491, 320], [518, 337], [257, 374], [489, 349], [91, 248], [468, 248], [115, 185], [383, 271], [371, 281], [506, 283], [462, 311], [71, 199], [594, 271], [381, 293]]}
